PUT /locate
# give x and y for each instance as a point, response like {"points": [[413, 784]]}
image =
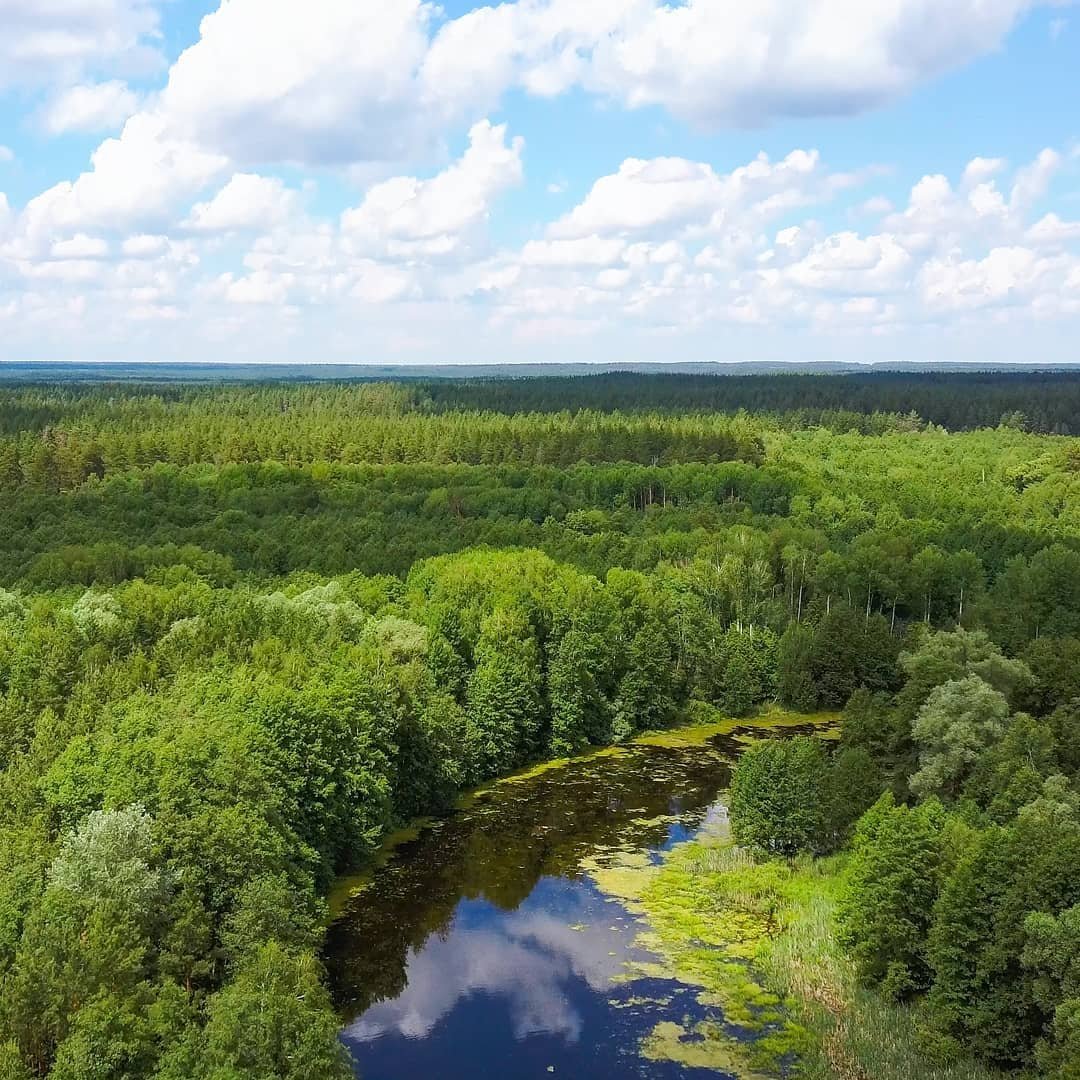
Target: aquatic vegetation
{"points": [[707, 908], [756, 941], [710, 723], [704, 1046]]}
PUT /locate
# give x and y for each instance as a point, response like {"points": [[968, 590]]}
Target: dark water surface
{"points": [[481, 948]]}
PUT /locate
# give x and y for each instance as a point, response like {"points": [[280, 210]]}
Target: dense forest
{"points": [[1047, 401], [247, 630]]}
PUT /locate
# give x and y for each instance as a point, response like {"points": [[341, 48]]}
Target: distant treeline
{"points": [[1045, 401], [54, 438]]}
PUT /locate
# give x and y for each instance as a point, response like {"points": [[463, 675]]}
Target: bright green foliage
{"points": [[272, 1021], [503, 699], [891, 886], [777, 803], [959, 722], [208, 708], [1052, 952], [580, 711]]}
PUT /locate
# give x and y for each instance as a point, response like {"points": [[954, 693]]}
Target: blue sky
{"points": [[540, 181]]}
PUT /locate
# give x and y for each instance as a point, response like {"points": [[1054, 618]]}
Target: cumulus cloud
{"points": [[80, 247], [247, 201], [145, 246], [337, 83], [90, 108], [664, 246], [718, 62], [55, 41], [848, 263], [664, 193], [953, 250], [375, 94], [1005, 276], [333, 82], [138, 176], [323, 82], [410, 216]]}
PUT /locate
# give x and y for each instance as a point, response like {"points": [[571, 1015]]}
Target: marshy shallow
{"points": [[527, 934]]}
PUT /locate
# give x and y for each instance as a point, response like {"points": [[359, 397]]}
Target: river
{"points": [[486, 943]]}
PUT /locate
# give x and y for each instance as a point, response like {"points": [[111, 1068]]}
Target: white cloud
{"points": [[849, 263], [144, 246], [6, 153], [247, 201], [54, 41], [1051, 230], [1033, 180], [667, 193], [581, 251], [980, 169], [375, 284], [80, 246], [90, 108], [323, 82], [710, 261], [407, 216], [717, 62], [340, 83], [138, 176], [260, 287], [1005, 275]]}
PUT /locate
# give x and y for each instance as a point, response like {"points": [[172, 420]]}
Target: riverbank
{"points": [[758, 940], [496, 928], [704, 723]]}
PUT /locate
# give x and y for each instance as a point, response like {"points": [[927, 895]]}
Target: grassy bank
{"points": [[758, 940]]}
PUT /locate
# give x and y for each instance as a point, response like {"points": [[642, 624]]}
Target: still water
{"points": [[483, 947]]}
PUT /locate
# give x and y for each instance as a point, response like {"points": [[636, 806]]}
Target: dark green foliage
{"points": [[871, 723], [747, 670], [795, 685], [892, 883], [854, 782], [982, 991], [208, 709], [865, 401], [1055, 671], [1052, 953], [850, 651], [1064, 722], [1011, 773]]}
